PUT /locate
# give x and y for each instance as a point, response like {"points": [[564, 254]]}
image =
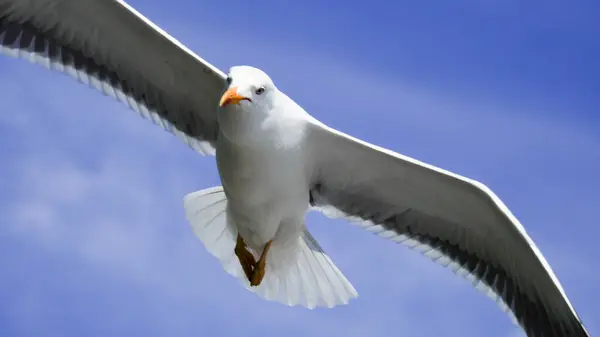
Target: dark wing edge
{"points": [[57, 48], [412, 228]]}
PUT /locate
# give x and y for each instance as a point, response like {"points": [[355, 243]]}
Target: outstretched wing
{"points": [[111, 47], [454, 221]]}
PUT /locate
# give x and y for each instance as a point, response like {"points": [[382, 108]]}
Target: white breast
{"points": [[264, 176]]}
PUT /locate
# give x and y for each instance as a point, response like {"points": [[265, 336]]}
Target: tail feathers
{"points": [[206, 212], [314, 280], [311, 280]]}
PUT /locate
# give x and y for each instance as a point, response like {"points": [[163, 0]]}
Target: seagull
{"points": [[277, 162]]}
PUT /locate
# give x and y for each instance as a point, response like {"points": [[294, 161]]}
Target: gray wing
{"points": [[109, 46], [455, 221]]}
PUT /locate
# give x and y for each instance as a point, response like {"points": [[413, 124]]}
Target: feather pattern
{"points": [[311, 279], [455, 222], [51, 34]]}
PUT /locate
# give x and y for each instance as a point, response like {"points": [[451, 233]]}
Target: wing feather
{"points": [[117, 51], [454, 221]]}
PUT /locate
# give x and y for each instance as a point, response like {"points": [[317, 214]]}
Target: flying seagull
{"points": [[276, 162]]}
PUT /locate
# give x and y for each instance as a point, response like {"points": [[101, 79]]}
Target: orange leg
{"points": [[260, 266], [246, 258]]}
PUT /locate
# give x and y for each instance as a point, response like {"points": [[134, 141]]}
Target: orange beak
{"points": [[231, 96]]}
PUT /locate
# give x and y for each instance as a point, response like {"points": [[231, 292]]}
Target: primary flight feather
{"points": [[276, 162]]}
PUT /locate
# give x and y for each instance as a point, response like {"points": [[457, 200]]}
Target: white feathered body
{"points": [[265, 169], [264, 173]]}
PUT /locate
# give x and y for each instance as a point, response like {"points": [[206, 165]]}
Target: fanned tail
{"points": [[311, 280]]}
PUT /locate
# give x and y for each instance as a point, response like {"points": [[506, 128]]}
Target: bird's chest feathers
{"points": [[268, 164], [276, 133]]}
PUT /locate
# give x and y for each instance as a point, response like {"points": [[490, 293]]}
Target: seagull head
{"points": [[250, 97], [249, 86]]}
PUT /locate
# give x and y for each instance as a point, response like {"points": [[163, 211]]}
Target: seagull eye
{"points": [[260, 90], [229, 79]]}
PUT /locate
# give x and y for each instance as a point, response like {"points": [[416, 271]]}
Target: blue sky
{"points": [[93, 240]]}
